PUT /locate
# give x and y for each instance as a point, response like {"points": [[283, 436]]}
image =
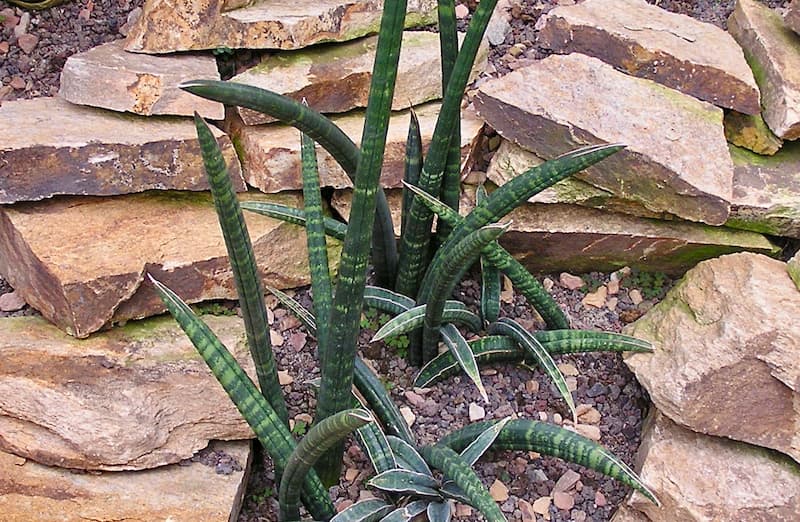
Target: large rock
{"points": [[166, 26], [511, 160], [82, 261], [766, 191], [336, 78], [120, 400], [108, 77], [699, 478], [559, 237], [271, 153], [792, 16], [676, 159], [186, 492], [649, 42], [51, 147], [727, 352], [773, 51]]}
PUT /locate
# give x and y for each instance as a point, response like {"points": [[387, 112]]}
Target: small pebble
{"points": [[570, 282], [568, 369], [636, 296], [596, 299], [284, 379], [499, 491], [462, 11], [11, 302], [566, 481], [563, 500], [27, 42], [599, 499], [476, 412]]}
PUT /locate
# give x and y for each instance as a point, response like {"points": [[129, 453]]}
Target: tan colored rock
{"points": [[124, 399], [773, 51], [766, 194], [190, 491], [751, 132], [82, 261], [272, 152], [699, 478], [166, 26], [792, 16], [11, 302], [553, 238], [644, 40], [336, 79], [108, 77], [628, 514], [675, 160], [499, 491], [52, 147], [596, 299], [511, 160], [738, 312], [793, 268]]}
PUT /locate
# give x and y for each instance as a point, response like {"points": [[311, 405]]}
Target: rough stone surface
{"points": [[192, 491], [766, 193], [792, 16], [676, 158], [644, 40], [108, 77], [166, 26], [793, 267], [123, 399], [272, 152], [511, 160], [555, 237], [699, 478], [738, 312], [336, 78], [773, 52], [82, 261], [51, 147], [751, 132]]}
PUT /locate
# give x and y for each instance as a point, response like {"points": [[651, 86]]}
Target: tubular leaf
{"points": [[377, 448], [243, 265], [305, 317], [412, 164], [529, 343], [379, 401], [457, 470], [296, 216], [548, 439], [319, 438], [272, 433]]}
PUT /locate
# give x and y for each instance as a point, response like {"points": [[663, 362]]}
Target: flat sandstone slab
{"points": [[121, 400], [336, 78], [561, 237], [676, 159], [51, 147], [110, 78], [82, 261], [643, 40], [773, 51], [766, 191], [166, 26], [187, 492], [271, 153], [792, 16]]}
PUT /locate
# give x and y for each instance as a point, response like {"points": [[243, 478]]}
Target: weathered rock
{"points": [[644, 40], [773, 52], [123, 399], [511, 160], [191, 491], [727, 352], [628, 514], [766, 191], [336, 78], [52, 147], [82, 261], [676, 155], [792, 16], [751, 132], [556, 237], [699, 478], [271, 153], [166, 26], [108, 77]]}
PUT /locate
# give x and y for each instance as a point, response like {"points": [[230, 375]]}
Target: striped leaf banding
{"points": [[405, 482], [373, 442], [296, 216], [373, 391], [454, 312], [369, 510]]}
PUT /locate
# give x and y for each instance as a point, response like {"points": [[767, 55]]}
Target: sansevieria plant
{"points": [[413, 282]]}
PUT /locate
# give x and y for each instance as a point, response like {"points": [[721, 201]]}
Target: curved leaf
{"points": [[408, 456], [377, 448], [439, 511], [482, 442], [407, 512], [369, 510], [406, 482], [373, 391], [457, 345], [386, 300], [296, 216], [454, 312]]}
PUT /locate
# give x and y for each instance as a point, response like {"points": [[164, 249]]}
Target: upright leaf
{"points": [[243, 265], [458, 346], [412, 165]]}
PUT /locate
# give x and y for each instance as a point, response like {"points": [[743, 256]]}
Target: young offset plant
{"points": [[414, 284]]}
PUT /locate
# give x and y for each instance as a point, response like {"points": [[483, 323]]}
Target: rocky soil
{"points": [[34, 47]]}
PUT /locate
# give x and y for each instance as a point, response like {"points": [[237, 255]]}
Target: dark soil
{"points": [[602, 380]]}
